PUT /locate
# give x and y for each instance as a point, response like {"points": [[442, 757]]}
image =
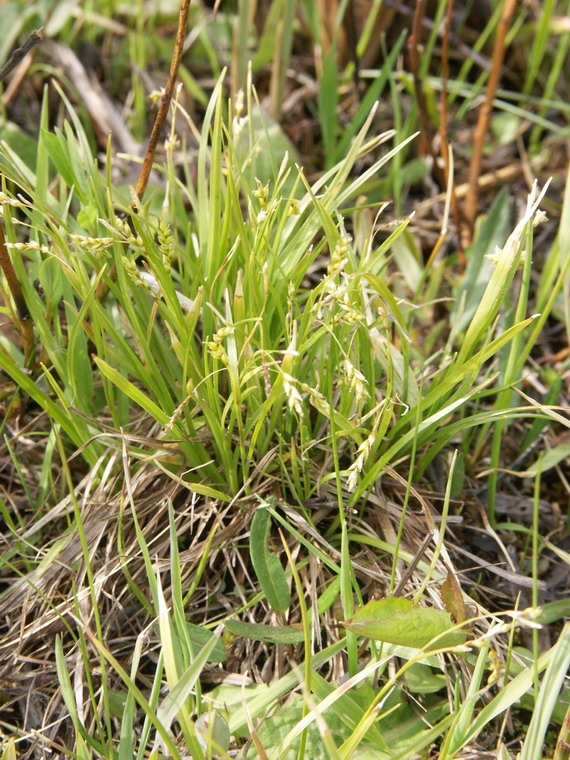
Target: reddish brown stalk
{"points": [[24, 319], [444, 143], [414, 41], [485, 114], [160, 117]]}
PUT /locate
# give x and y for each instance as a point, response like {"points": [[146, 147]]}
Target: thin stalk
{"points": [[160, 117], [485, 114]]}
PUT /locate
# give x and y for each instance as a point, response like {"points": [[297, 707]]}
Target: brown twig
{"points": [[160, 117], [485, 114], [34, 39], [159, 120], [426, 137]]}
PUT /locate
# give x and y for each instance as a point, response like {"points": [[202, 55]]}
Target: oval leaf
{"points": [[398, 621], [272, 634], [268, 569]]}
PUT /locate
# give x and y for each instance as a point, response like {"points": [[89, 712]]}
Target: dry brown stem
{"points": [[485, 114], [34, 39], [160, 117]]}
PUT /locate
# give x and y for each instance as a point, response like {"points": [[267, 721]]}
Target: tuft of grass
{"points": [[272, 417]]}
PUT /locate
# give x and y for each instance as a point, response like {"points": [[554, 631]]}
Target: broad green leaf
{"points": [[421, 679], [78, 362], [275, 729], [267, 566], [258, 705], [79, 163], [352, 707], [61, 15], [272, 634], [505, 126], [507, 261], [399, 621], [391, 359], [407, 254], [267, 44]]}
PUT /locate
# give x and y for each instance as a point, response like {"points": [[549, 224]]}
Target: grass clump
{"points": [[259, 412]]}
